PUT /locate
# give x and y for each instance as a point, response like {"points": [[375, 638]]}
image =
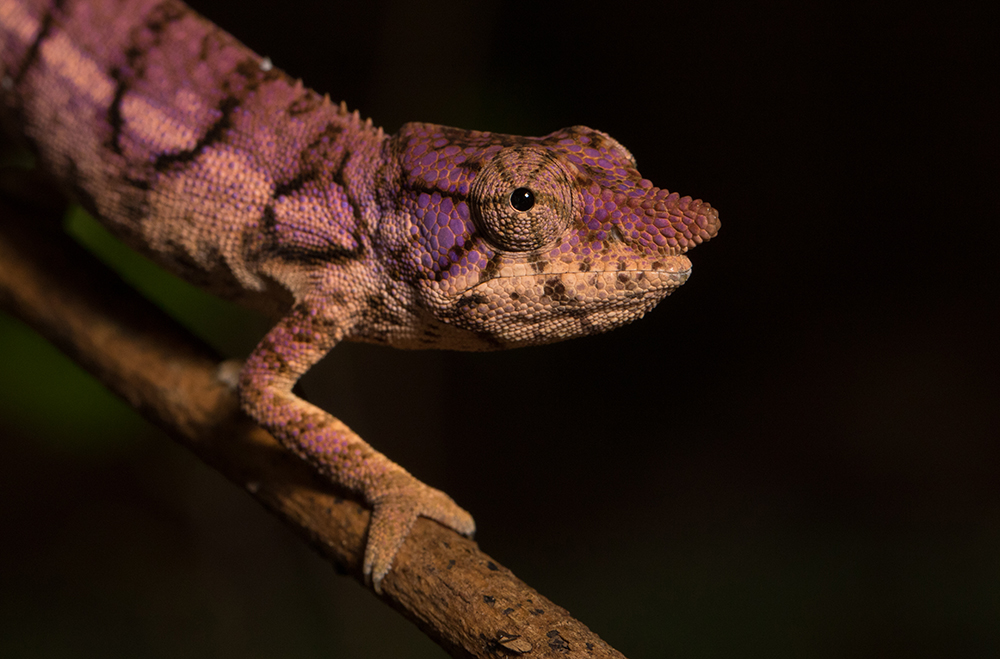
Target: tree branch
{"points": [[460, 597]]}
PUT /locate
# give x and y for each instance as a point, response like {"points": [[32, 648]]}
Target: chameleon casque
{"points": [[198, 153]]}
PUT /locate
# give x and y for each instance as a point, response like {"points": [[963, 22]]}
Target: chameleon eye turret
{"points": [[523, 198]]}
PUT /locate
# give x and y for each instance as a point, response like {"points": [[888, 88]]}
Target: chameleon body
{"points": [[198, 153]]}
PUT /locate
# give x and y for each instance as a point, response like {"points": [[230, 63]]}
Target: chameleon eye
{"points": [[522, 199]]}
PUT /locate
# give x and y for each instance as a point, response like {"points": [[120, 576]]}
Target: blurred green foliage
{"points": [[66, 409]]}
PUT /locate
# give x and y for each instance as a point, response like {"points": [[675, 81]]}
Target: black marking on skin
{"points": [[137, 212], [380, 313], [491, 269], [269, 243], [331, 131], [455, 254], [114, 116], [304, 104], [420, 185], [474, 299], [156, 22], [339, 177], [313, 171], [292, 186], [138, 183], [163, 14], [538, 264], [31, 56], [376, 305], [555, 289], [204, 52], [473, 165], [584, 266], [166, 161]]}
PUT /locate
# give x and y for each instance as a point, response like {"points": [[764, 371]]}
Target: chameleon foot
{"points": [[393, 515]]}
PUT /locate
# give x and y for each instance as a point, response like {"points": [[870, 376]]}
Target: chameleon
{"points": [[202, 155]]}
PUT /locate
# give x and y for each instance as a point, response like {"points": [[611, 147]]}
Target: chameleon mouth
{"points": [[544, 297], [667, 273]]}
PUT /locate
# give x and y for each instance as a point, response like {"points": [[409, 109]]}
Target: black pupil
{"points": [[522, 199]]}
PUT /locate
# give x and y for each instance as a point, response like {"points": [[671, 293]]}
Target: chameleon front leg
{"points": [[298, 341]]}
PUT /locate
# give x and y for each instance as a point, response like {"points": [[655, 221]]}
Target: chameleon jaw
{"points": [[516, 310]]}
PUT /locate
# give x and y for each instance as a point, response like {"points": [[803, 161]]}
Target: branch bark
{"points": [[463, 599]]}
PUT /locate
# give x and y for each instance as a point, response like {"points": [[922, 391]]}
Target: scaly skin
{"points": [[198, 153]]}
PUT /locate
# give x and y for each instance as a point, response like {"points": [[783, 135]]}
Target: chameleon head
{"points": [[526, 240]]}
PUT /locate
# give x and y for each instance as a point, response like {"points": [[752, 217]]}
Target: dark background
{"points": [[795, 455]]}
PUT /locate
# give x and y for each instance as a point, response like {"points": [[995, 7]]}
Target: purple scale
{"points": [[575, 158], [425, 216], [445, 238], [603, 162], [592, 152], [437, 144]]}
